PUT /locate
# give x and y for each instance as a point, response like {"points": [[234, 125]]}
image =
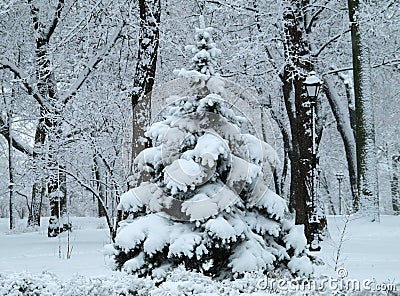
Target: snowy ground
{"points": [[35, 252], [368, 251]]}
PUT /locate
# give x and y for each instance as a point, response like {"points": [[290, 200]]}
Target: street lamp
{"points": [[339, 177], [313, 85]]}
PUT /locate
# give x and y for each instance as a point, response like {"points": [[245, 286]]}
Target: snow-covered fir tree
{"points": [[207, 206], [204, 50]]}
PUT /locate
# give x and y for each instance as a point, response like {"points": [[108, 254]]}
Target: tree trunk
{"points": [[150, 11], [39, 185], [367, 175], [296, 50], [395, 184], [57, 191], [11, 161], [101, 189], [346, 132], [48, 129]]}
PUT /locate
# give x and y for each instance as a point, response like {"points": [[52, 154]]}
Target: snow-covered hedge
{"points": [[47, 284], [179, 282]]}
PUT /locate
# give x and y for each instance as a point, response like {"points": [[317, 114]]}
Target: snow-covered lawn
{"points": [[35, 252], [369, 250]]}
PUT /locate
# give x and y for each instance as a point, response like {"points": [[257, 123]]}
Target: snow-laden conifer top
{"points": [[204, 50]]}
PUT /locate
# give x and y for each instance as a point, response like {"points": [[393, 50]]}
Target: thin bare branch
{"points": [[384, 63], [91, 65], [20, 146], [233, 6], [333, 39], [95, 193], [56, 19], [5, 64], [314, 18]]}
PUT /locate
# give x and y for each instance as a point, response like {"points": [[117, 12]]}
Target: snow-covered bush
{"points": [[207, 205], [179, 282], [47, 284]]}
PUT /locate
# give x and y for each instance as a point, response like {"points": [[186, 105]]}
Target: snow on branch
{"points": [[20, 146], [92, 65], [333, 39], [384, 63], [57, 15], [94, 192], [5, 64], [234, 6]]}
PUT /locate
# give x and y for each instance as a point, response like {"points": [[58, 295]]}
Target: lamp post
{"points": [[313, 85], [339, 177]]}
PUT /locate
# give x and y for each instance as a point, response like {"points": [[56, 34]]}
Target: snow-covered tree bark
{"points": [[150, 13], [9, 103], [395, 189], [364, 112], [346, 132], [49, 119], [297, 66], [101, 187]]}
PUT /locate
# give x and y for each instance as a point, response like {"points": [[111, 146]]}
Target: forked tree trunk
{"points": [[346, 131]]}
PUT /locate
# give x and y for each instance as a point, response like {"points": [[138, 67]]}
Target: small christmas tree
{"points": [[207, 205], [204, 50]]}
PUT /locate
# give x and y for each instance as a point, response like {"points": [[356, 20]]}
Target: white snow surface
{"points": [[369, 251], [153, 229], [147, 194], [208, 148], [221, 228], [250, 254], [182, 174], [212, 199], [295, 240], [273, 203]]}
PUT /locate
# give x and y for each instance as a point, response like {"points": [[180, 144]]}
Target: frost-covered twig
{"points": [[94, 192], [5, 64], [341, 241], [92, 65]]}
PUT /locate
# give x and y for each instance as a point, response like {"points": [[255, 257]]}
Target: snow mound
{"points": [[220, 228], [250, 256], [153, 230]]}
